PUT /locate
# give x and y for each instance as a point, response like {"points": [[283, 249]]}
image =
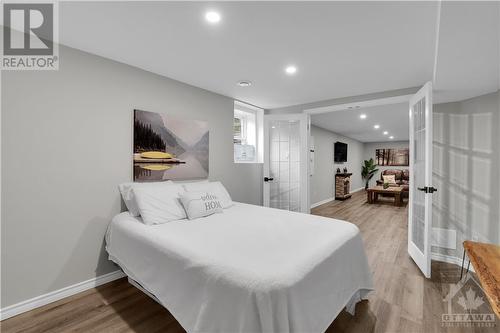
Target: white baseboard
{"points": [[451, 260], [322, 202], [357, 190], [36, 302]]}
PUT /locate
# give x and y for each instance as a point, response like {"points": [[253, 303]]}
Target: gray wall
{"points": [[370, 153], [322, 181], [467, 170], [67, 144]]}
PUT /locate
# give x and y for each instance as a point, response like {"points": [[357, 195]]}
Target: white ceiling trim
{"points": [[436, 45], [363, 104]]}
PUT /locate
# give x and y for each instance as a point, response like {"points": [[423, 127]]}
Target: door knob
{"points": [[266, 179], [427, 189]]}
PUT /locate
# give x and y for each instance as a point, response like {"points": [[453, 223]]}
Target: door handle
{"points": [[266, 179], [427, 189]]}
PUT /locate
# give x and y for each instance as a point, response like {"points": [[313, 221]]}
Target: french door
{"points": [[420, 202], [286, 157]]}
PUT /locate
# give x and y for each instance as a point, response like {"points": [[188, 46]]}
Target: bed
{"points": [[248, 269]]}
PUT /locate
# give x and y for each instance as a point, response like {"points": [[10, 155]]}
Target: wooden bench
{"points": [[485, 258]]}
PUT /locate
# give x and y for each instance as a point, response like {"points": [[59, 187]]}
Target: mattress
{"points": [[248, 269]]}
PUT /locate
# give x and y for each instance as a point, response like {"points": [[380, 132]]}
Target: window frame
{"points": [[244, 112]]}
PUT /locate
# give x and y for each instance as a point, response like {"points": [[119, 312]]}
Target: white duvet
{"points": [[248, 269]]}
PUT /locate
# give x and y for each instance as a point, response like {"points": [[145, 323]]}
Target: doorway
{"points": [[418, 116]]}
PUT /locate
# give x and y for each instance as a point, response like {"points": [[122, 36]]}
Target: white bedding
{"points": [[248, 269]]}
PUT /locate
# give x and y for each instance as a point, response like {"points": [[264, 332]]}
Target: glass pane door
{"points": [[420, 204], [284, 186], [285, 164]]}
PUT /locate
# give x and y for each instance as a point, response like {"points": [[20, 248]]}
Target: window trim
{"points": [[243, 111]]}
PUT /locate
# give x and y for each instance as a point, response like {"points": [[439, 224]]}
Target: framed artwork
{"points": [[169, 147], [392, 157]]}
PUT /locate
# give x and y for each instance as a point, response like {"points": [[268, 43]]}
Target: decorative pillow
{"points": [[395, 172], [200, 204], [128, 194], [159, 204], [215, 188], [391, 179]]}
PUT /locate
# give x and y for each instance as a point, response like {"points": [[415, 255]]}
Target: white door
{"points": [[420, 203], [286, 160]]}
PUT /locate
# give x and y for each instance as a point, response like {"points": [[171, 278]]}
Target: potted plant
{"points": [[368, 170], [386, 186]]}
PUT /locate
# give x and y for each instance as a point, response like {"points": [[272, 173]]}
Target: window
{"points": [[248, 133]]}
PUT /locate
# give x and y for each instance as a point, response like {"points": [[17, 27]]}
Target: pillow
{"points": [[159, 204], [215, 188], [128, 194], [391, 179], [200, 204]]}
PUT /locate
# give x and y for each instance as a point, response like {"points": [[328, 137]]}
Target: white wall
{"points": [[67, 144], [322, 182], [466, 170], [369, 152]]}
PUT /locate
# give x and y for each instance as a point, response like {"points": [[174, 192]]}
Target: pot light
{"points": [[376, 126], [362, 116], [290, 70], [212, 17], [244, 83], [391, 137], [385, 133]]}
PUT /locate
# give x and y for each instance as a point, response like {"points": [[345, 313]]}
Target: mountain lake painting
{"points": [[168, 147]]}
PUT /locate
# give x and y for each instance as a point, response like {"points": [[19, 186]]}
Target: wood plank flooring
{"points": [[403, 301]]}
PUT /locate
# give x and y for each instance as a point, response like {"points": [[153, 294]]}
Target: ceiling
{"points": [[392, 118], [468, 52], [339, 48]]}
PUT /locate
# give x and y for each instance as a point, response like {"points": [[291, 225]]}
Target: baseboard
{"points": [[322, 202], [36, 302], [451, 260]]}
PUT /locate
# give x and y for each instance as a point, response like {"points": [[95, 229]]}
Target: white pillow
{"points": [[159, 204], [200, 204], [128, 194], [215, 188]]}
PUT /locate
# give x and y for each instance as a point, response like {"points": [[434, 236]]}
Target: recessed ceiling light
{"points": [[385, 133], [244, 83], [212, 17], [362, 116], [391, 137], [376, 126], [357, 106], [290, 70]]}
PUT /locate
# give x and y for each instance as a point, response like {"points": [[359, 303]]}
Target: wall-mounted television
{"points": [[340, 152]]}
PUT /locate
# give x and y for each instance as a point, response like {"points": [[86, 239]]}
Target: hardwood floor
{"points": [[403, 301]]}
